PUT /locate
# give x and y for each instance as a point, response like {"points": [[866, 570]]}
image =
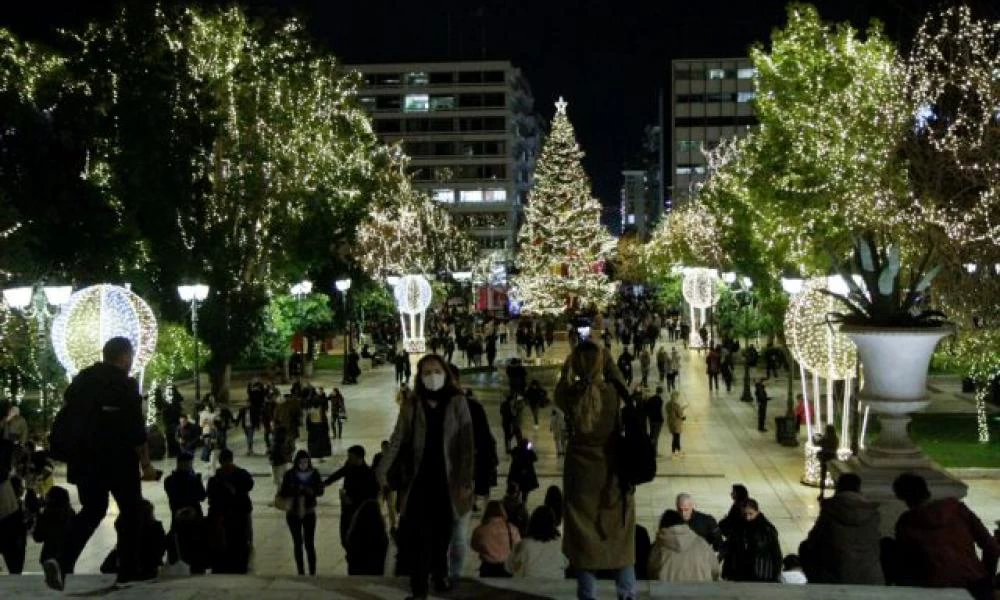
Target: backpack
{"points": [[635, 456], [71, 428]]}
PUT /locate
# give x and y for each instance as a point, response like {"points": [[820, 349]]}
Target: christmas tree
{"points": [[562, 245]]}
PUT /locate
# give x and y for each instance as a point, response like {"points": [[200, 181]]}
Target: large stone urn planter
{"points": [[895, 362]]}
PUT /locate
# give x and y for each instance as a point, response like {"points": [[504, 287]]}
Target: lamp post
{"points": [[300, 290], [35, 302], [342, 286], [194, 295]]}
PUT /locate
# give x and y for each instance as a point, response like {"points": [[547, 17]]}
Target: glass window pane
{"points": [[439, 78], [747, 73], [416, 78], [387, 79], [442, 103], [416, 103], [745, 96], [716, 74], [471, 196], [447, 196]]}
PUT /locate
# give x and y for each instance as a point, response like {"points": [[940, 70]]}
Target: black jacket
{"points": [[117, 427], [705, 526], [229, 491], [184, 489], [360, 483], [293, 488], [755, 552]]}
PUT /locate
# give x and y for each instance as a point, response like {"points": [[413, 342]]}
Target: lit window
{"points": [[631, 219], [416, 103], [716, 74], [745, 96], [495, 195], [699, 170], [687, 145], [447, 196], [416, 78], [471, 196], [683, 170], [367, 101], [442, 103], [746, 73]]}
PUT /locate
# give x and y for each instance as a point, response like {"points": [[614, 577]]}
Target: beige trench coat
{"points": [[599, 530]]}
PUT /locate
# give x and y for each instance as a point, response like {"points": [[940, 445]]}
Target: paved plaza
{"points": [[721, 443]]}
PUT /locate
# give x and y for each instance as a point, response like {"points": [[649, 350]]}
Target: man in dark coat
{"points": [[360, 485], [229, 510], [487, 461], [185, 493], [625, 366], [517, 377], [113, 460], [843, 545], [936, 542], [702, 524]]}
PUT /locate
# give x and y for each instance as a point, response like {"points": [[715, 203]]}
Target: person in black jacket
{"points": [[517, 377], [300, 487], [731, 525], [113, 461], [699, 522], [755, 551], [229, 509], [185, 493], [360, 484]]}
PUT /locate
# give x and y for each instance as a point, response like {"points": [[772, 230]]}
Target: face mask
{"points": [[433, 381]]}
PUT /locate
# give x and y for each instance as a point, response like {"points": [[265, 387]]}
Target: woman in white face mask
{"points": [[430, 463]]}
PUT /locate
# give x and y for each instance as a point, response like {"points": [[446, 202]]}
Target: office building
{"points": [[471, 133], [711, 100], [642, 197]]}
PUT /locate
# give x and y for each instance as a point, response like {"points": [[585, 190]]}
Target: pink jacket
{"points": [[494, 540]]}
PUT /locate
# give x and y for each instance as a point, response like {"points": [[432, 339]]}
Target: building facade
{"points": [[471, 133], [642, 197], [711, 100]]}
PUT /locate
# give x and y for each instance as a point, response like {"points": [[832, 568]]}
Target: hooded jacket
{"points": [[843, 545], [937, 542], [681, 555]]}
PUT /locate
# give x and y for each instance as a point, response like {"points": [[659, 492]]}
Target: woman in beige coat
{"points": [[433, 438], [599, 530], [675, 422]]}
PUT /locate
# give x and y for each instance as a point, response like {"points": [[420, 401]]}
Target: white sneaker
{"points": [[53, 575]]}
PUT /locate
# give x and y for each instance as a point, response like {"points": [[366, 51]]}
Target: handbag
{"points": [[283, 503]]}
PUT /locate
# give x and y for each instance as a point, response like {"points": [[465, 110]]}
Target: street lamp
{"points": [[302, 288], [342, 286], [729, 277], [36, 303], [193, 295]]}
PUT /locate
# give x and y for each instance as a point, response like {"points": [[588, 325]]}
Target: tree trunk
{"points": [[286, 368], [220, 377]]}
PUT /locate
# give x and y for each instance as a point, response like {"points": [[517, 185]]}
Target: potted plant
{"points": [[895, 333]]}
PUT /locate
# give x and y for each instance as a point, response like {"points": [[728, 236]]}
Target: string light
{"points": [[818, 347], [700, 287], [563, 246], [96, 314]]}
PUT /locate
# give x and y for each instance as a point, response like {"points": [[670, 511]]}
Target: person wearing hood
{"points": [[680, 555], [494, 540], [229, 510], [936, 542], [300, 487], [843, 545]]}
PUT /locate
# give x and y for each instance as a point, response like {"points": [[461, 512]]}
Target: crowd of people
{"points": [[409, 511]]}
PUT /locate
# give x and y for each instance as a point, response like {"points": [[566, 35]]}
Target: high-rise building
{"points": [[470, 131], [711, 100], [642, 198]]}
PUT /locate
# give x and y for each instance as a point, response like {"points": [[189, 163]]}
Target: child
{"points": [[53, 523], [791, 571]]}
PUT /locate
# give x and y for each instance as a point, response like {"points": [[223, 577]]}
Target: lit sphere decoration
{"points": [[818, 347], [96, 314], [413, 294], [699, 287]]}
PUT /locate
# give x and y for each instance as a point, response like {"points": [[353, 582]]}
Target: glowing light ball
{"points": [[96, 314], [699, 287], [413, 294], [818, 347]]}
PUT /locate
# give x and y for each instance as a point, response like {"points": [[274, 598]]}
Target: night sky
{"points": [[609, 58]]}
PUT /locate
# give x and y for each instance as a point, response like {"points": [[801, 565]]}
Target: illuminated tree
{"points": [[412, 235], [563, 245], [690, 235]]}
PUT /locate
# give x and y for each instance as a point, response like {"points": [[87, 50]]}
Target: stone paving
{"points": [[721, 443]]}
